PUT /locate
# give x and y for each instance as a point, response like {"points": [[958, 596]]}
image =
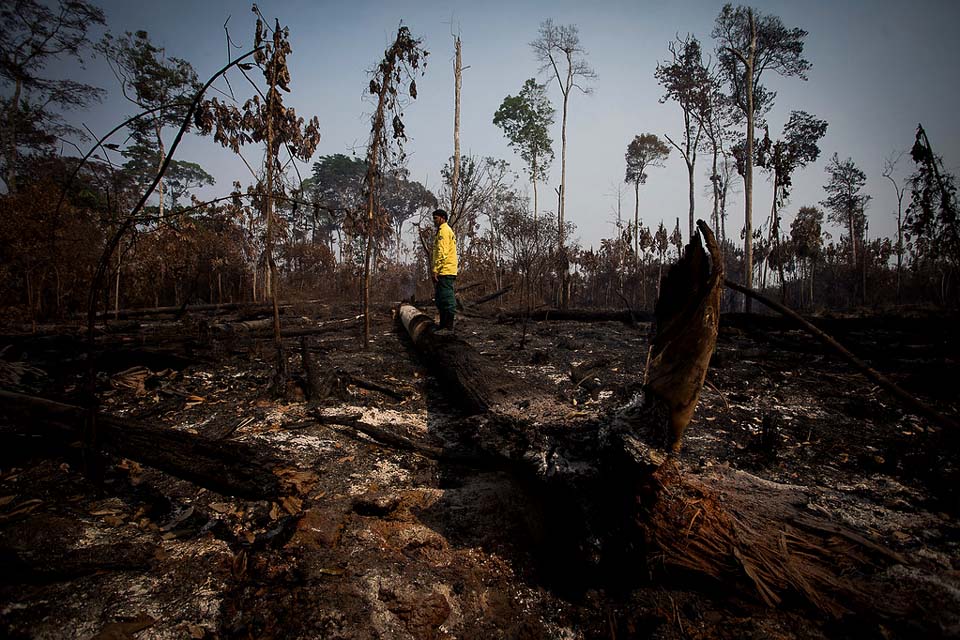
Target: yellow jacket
{"points": [[445, 252]]}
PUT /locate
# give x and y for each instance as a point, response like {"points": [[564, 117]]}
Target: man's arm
{"points": [[436, 257]]}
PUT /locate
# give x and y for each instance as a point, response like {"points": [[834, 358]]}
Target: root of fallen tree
{"points": [[618, 498]]}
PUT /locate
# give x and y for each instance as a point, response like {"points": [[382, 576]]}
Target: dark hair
{"points": [[442, 214]]}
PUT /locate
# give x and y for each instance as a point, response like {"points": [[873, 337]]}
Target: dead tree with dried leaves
{"points": [[401, 62], [266, 120]]}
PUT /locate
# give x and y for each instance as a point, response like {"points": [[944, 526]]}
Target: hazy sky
{"points": [[878, 68]]}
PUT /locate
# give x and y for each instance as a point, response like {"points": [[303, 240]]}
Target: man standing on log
{"points": [[444, 269]]}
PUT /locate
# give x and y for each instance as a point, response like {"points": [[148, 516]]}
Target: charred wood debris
{"points": [[610, 475]]}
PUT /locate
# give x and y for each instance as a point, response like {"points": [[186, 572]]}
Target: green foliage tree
{"points": [[846, 204], [644, 151], [749, 44], [806, 236], [402, 198], [153, 82], [335, 191], [798, 147], [182, 178], [526, 119], [687, 82], [32, 34]]}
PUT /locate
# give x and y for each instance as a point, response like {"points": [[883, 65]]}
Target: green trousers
{"points": [[446, 300]]}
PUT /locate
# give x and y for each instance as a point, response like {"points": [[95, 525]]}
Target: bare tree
{"points": [[480, 183], [717, 118], [457, 79], [889, 168], [560, 54]]}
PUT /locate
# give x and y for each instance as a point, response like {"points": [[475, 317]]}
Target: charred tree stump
{"points": [[615, 494]]}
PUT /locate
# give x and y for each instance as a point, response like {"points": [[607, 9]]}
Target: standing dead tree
{"points": [[400, 62], [619, 502], [264, 119], [457, 83]]}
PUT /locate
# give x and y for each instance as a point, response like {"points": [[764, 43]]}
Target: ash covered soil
{"points": [[385, 543]]}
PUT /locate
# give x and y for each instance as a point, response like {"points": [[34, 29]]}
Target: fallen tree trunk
{"points": [[614, 494], [258, 329], [230, 468], [489, 297], [581, 315], [125, 314]]}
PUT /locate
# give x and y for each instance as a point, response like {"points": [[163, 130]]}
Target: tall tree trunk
{"points": [[58, 292], [691, 222], [280, 376], [533, 179], [770, 234], [716, 196], [853, 240], [116, 295], [163, 154], [565, 265], [13, 113], [563, 163], [899, 241], [748, 174], [813, 273], [457, 71], [372, 169], [636, 221]]}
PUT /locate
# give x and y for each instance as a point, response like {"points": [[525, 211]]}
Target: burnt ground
{"points": [[383, 543]]}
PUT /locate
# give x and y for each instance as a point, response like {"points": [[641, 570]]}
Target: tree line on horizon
{"points": [[118, 222]]}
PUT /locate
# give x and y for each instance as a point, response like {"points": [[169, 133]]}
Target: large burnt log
{"points": [[615, 494], [230, 468], [580, 315]]}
